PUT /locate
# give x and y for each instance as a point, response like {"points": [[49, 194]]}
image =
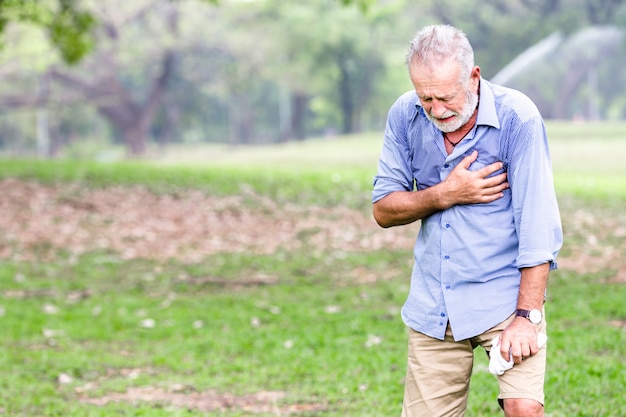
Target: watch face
{"points": [[535, 316]]}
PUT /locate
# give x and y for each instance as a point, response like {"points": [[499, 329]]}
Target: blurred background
{"points": [[114, 79]]}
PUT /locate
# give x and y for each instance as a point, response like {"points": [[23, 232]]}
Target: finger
{"points": [[500, 187], [505, 350], [493, 193], [469, 160], [517, 355], [489, 169], [495, 180], [496, 189], [488, 198]]}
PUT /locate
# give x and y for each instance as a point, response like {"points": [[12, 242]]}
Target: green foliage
{"points": [[69, 31], [67, 25], [364, 5]]}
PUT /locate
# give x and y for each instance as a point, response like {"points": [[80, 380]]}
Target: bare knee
{"points": [[521, 407]]}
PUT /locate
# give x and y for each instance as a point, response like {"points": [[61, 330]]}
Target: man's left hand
{"points": [[520, 339]]}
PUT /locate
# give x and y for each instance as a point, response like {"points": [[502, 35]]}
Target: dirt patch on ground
{"points": [[180, 396], [595, 242], [39, 220], [205, 401]]}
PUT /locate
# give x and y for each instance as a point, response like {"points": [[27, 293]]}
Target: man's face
{"points": [[447, 102]]}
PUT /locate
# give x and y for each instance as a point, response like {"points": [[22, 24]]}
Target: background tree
{"points": [[162, 72], [329, 64], [67, 25], [108, 83]]}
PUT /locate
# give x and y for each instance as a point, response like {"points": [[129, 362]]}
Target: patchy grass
{"points": [[294, 311], [319, 329]]}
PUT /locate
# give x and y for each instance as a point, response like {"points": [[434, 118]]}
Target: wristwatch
{"points": [[534, 315]]}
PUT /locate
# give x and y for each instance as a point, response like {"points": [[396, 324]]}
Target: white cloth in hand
{"points": [[497, 364]]}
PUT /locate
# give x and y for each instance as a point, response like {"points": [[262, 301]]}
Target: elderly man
{"points": [[470, 160]]}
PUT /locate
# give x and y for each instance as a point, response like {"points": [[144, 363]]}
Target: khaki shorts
{"points": [[439, 371]]}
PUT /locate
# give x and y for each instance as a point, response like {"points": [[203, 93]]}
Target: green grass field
{"points": [[307, 328]]}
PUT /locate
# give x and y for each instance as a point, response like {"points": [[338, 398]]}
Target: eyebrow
{"points": [[441, 98], [447, 97]]}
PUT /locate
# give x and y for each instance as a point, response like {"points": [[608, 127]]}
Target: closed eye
{"points": [[429, 99]]}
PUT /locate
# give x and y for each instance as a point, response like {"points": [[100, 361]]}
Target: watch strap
{"points": [[534, 316]]}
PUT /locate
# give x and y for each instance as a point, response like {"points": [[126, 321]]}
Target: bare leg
{"points": [[521, 407]]}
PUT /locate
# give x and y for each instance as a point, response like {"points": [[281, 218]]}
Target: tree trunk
{"points": [[602, 12], [347, 104], [131, 119], [172, 115], [240, 120], [298, 115], [135, 139]]}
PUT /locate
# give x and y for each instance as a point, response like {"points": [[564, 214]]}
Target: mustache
{"points": [[448, 113]]}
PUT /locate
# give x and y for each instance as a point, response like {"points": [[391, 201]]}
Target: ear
{"points": [[475, 78]]}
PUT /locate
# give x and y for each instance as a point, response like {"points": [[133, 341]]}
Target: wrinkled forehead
{"points": [[445, 73]]}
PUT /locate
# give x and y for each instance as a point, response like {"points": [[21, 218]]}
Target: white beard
{"points": [[462, 117]]}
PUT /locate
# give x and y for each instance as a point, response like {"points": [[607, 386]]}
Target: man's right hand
{"points": [[461, 187], [471, 187]]}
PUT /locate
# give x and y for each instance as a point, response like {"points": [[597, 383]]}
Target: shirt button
{"points": [[443, 314], [447, 287], [446, 257], [447, 225], [446, 166]]}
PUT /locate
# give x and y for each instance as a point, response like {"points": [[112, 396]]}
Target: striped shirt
{"points": [[467, 258]]}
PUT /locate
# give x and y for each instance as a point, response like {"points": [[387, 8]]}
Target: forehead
{"points": [[436, 81]]}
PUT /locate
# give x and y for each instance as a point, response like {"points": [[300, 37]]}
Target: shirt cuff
{"points": [[530, 259]]}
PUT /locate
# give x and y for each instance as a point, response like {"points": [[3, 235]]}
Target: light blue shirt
{"points": [[467, 258]]}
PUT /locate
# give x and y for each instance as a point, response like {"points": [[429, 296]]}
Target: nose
{"points": [[438, 109]]}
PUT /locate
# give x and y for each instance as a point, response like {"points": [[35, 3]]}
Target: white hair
{"points": [[436, 44]]}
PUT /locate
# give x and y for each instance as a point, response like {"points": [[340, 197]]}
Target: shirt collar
{"points": [[487, 106]]}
